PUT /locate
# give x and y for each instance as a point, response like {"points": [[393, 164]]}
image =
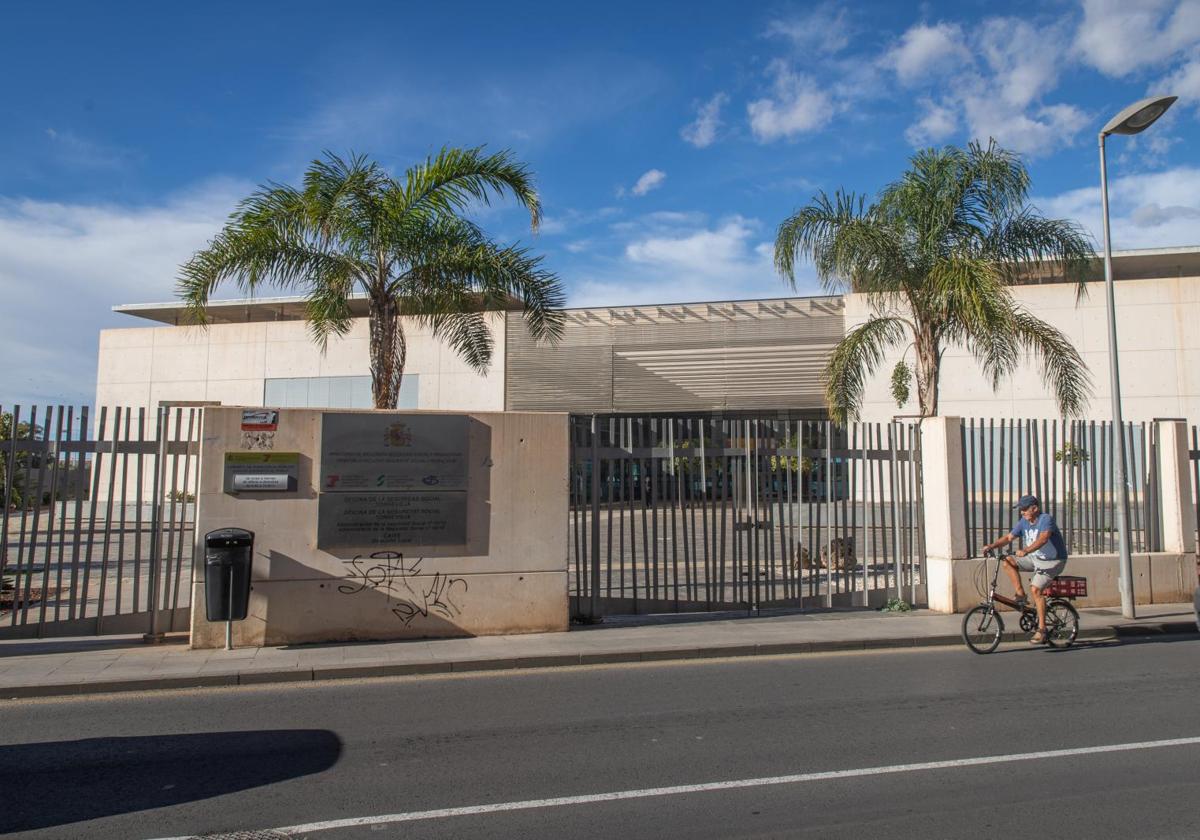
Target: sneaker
{"points": [[1022, 601]]}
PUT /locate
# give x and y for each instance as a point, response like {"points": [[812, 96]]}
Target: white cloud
{"points": [[684, 257], [1184, 83], [702, 131], [937, 122], [650, 180], [1034, 132], [824, 29], [568, 219], [798, 106], [71, 150], [991, 81], [1148, 210], [925, 50], [1024, 59], [697, 251], [63, 267], [1118, 37]]}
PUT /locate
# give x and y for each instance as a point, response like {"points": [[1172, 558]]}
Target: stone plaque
{"points": [[393, 452], [391, 520]]}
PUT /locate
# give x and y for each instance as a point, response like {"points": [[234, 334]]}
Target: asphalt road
{"points": [[170, 764]]}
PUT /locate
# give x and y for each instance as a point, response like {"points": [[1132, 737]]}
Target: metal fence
{"points": [[1194, 458], [699, 513], [1069, 466], [97, 519]]}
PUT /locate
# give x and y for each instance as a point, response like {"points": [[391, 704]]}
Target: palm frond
{"points": [[269, 239], [460, 267], [1061, 363], [328, 309], [846, 241], [448, 182], [1025, 243], [853, 361]]}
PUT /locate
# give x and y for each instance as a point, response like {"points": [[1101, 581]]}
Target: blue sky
{"points": [[669, 139]]}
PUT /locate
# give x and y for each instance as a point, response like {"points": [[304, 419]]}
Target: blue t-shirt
{"points": [[1054, 549]]}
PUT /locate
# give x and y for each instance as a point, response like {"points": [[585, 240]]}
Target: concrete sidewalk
{"points": [[51, 667]]}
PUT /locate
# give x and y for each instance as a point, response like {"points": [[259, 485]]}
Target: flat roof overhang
{"points": [[1142, 264]]}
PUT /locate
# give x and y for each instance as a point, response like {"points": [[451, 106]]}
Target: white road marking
{"points": [[675, 790]]}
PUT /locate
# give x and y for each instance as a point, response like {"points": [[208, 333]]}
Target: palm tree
{"points": [[935, 254], [404, 244]]}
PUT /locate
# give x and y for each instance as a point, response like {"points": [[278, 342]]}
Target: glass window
{"points": [[295, 393], [409, 386], [333, 392], [275, 392]]}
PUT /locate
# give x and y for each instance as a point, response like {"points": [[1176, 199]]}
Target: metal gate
{"points": [[97, 522], [704, 512]]}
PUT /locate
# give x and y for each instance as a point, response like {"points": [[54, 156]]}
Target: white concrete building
{"points": [[730, 356], [1158, 335], [259, 352]]}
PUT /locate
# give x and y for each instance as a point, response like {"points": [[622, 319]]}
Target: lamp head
{"points": [[1139, 116]]}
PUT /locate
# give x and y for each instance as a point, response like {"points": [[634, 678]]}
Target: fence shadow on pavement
{"points": [[58, 783], [81, 644], [1099, 644]]}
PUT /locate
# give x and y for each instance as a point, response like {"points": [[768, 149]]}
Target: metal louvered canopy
{"points": [[763, 354]]}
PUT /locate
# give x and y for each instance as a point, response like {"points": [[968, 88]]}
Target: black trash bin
{"points": [[227, 555]]}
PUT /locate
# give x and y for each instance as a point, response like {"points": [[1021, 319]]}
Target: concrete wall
{"points": [[227, 363], [515, 581], [1158, 578], [1158, 339]]}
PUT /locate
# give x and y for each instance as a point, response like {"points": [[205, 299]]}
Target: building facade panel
{"points": [[1158, 330], [231, 363]]}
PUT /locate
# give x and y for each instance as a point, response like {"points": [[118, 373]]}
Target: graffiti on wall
{"points": [[409, 595]]}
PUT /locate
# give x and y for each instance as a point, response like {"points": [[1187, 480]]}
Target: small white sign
{"points": [[260, 481]]}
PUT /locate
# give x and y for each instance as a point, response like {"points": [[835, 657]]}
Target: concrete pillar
{"points": [[945, 512], [1175, 480]]}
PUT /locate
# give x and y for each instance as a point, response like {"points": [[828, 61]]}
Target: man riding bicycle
{"points": [[1044, 553]]}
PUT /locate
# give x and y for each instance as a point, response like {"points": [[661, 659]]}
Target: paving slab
{"points": [[33, 668]]}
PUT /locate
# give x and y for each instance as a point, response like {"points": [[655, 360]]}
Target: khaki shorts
{"points": [[1043, 570]]}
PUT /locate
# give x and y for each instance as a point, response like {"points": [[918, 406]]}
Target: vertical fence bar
{"points": [[108, 523], [966, 433], [10, 470], [861, 492], [605, 465], [154, 570], [95, 494], [25, 565], [80, 486], [63, 439], [594, 582], [186, 490], [645, 478], [37, 519], [919, 477], [169, 502]]}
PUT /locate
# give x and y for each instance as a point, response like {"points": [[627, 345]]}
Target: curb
{"points": [[1177, 629]]}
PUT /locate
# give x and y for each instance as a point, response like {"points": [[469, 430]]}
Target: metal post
{"points": [[155, 636], [1125, 568], [595, 583]]}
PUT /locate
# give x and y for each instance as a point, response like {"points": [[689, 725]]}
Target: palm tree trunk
{"points": [[929, 362], [388, 350]]}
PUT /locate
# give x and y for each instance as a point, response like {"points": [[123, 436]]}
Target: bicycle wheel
{"points": [[982, 629], [1062, 623]]}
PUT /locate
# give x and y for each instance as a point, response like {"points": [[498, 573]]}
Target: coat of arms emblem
{"points": [[397, 434]]}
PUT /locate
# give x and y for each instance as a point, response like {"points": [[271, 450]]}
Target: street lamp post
{"points": [[1133, 120]]}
